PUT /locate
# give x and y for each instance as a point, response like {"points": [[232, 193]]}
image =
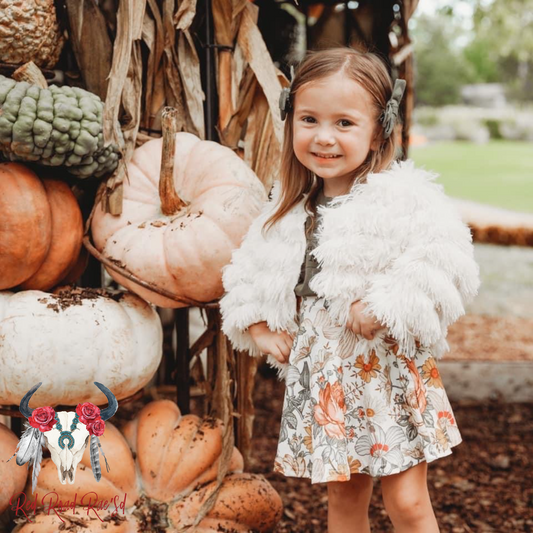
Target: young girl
{"points": [[349, 279]]}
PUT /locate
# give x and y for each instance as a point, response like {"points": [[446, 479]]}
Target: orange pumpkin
{"points": [[183, 249], [41, 229], [12, 475], [173, 473]]}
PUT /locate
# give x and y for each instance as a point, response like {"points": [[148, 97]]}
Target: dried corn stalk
{"points": [[249, 92], [172, 74]]}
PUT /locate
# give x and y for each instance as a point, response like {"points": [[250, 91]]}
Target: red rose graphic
{"points": [[96, 427], [87, 412], [43, 418]]}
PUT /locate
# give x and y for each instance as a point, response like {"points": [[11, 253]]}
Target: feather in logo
{"points": [[66, 434]]}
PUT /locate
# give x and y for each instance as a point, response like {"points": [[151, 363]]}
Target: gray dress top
{"points": [[310, 265]]}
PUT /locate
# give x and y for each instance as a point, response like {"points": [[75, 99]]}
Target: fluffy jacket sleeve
{"points": [[259, 282], [240, 306], [425, 288]]}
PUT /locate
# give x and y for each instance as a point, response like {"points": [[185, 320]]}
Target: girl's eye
{"points": [[345, 123], [309, 120]]}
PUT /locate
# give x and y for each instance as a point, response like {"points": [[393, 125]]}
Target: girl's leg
{"points": [[348, 503], [406, 499]]}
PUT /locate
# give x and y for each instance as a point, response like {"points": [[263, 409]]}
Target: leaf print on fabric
{"points": [[368, 370], [303, 348], [329, 329], [318, 470], [347, 344], [322, 357], [329, 412], [385, 383], [293, 376], [432, 374], [290, 419], [308, 439], [354, 465], [295, 465], [305, 376]]}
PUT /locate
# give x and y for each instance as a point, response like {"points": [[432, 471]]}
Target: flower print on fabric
{"points": [[343, 416], [329, 412]]}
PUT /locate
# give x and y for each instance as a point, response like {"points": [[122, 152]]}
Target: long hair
{"points": [[368, 70]]}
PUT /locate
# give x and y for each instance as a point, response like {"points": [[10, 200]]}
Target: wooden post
{"points": [[246, 371], [181, 323]]}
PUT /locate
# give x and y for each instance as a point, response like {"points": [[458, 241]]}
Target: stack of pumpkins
{"points": [[49, 332], [163, 467]]}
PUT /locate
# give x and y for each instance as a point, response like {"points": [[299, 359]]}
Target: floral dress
{"points": [[342, 416]]}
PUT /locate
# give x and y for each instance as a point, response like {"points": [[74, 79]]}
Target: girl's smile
{"points": [[334, 126]]}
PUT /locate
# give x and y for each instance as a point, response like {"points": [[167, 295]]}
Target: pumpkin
{"points": [[72, 338], [30, 32], [41, 229], [176, 461], [183, 251], [13, 476], [55, 126]]}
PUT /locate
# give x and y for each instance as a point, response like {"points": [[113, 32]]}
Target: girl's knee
{"points": [[359, 487], [407, 506], [406, 494]]}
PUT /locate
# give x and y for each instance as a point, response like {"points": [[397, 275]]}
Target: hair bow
{"points": [[285, 98], [390, 115]]}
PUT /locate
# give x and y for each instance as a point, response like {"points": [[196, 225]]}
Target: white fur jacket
{"points": [[395, 242]]}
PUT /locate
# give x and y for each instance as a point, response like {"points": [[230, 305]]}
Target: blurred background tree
{"points": [[494, 46], [503, 38], [441, 68]]}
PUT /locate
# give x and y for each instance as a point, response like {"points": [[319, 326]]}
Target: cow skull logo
{"points": [[66, 434]]}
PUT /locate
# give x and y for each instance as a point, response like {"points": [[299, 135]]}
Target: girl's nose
{"points": [[324, 137]]}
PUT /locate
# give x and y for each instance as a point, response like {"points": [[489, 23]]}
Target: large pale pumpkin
{"points": [[12, 476], [182, 252], [176, 459], [41, 229], [71, 339]]}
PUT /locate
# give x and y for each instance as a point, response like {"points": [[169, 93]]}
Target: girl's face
{"points": [[333, 129]]}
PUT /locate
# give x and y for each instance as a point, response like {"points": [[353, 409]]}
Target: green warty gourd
{"points": [[54, 126]]}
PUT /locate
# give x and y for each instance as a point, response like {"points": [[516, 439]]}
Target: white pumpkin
{"points": [[71, 339], [180, 249]]}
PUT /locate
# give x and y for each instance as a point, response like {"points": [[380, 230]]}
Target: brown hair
{"points": [[369, 71]]}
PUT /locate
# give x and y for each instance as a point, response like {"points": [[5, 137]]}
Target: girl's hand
{"points": [[367, 326], [270, 342]]}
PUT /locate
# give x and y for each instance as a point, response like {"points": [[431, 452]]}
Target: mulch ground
{"points": [[491, 338], [486, 485]]}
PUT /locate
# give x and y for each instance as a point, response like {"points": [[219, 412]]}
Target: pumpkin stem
{"points": [[170, 201], [31, 73]]}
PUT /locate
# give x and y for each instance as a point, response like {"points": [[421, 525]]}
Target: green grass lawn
{"points": [[498, 173]]}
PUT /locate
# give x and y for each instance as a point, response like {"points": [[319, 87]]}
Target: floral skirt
{"points": [[342, 416]]}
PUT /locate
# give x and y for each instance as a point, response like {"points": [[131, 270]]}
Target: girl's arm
{"points": [[425, 289]]}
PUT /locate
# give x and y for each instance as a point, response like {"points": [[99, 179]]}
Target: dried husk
{"points": [[249, 94], [90, 43]]}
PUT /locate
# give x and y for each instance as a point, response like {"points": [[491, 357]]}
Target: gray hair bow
{"points": [[390, 114]]}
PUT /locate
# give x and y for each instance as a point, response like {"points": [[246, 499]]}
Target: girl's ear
{"points": [[376, 142]]}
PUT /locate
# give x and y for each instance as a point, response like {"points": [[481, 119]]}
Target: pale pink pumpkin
{"points": [[184, 252]]}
